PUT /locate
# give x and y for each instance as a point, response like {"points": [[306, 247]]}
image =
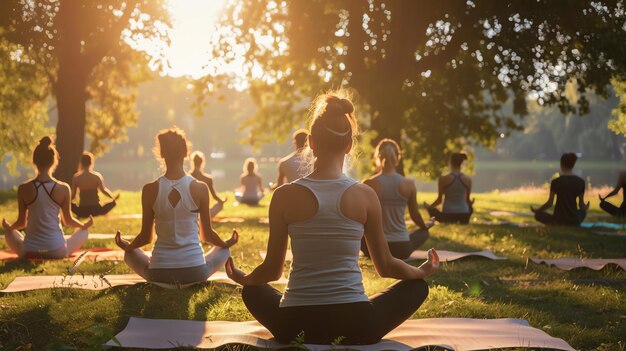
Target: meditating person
{"points": [[454, 189], [396, 193], [172, 205], [292, 166], [250, 191], [40, 200], [326, 215], [89, 183], [197, 171], [609, 207], [570, 208]]}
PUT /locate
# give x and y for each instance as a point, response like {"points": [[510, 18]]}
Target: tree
{"points": [[80, 53], [433, 75]]}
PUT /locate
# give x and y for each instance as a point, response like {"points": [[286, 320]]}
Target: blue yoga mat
{"points": [[603, 225]]}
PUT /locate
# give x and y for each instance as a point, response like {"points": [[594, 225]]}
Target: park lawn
{"points": [[589, 317]]}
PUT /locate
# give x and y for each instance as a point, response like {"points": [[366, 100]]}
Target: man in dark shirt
{"points": [[569, 189]]}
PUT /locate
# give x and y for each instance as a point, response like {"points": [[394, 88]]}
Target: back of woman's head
{"points": [[172, 145], [86, 160], [333, 125], [197, 159], [250, 166], [457, 158], [45, 155], [386, 151]]}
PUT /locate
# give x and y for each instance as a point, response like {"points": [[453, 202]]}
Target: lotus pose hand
{"points": [[432, 264], [233, 239], [234, 273], [123, 244]]}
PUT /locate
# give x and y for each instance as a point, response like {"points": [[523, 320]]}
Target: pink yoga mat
{"points": [[461, 334], [444, 256], [95, 282], [592, 263], [93, 254]]}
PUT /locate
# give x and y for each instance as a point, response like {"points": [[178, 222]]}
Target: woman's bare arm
{"points": [[148, 197]]}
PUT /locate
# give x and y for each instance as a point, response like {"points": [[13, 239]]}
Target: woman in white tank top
{"points": [[43, 203], [172, 205], [396, 194], [326, 214]]}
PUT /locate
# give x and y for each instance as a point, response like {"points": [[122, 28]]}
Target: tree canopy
{"points": [[78, 57], [434, 75]]}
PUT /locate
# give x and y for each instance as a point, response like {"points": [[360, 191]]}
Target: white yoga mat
{"points": [[511, 224], [95, 282], [444, 256], [102, 236], [592, 263], [460, 334], [510, 214]]}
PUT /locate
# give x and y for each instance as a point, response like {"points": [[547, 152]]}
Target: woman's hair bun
{"points": [[339, 106], [45, 141], [347, 106]]}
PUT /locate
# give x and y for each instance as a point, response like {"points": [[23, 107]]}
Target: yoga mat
{"points": [[512, 224], [104, 236], [93, 254], [592, 263], [460, 334], [603, 225], [510, 214], [606, 233], [95, 282], [228, 220], [444, 256]]}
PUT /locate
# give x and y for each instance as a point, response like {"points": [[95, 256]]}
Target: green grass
{"points": [[589, 317]]}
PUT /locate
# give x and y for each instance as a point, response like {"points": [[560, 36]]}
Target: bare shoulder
{"points": [[198, 186], [150, 188]]}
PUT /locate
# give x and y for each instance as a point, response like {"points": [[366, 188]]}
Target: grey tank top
{"points": [[43, 229], [455, 195], [325, 268], [393, 206]]}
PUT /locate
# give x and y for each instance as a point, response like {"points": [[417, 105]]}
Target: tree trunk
{"points": [[70, 91]]}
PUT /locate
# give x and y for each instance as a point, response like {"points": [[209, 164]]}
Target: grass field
{"points": [[589, 317]]}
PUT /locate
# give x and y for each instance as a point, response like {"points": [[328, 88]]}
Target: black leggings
{"points": [[352, 323], [550, 219], [92, 210], [443, 217], [612, 209], [402, 249]]}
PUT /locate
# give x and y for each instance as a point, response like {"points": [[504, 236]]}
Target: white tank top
{"points": [[177, 234], [43, 230], [325, 268], [292, 167], [393, 205]]}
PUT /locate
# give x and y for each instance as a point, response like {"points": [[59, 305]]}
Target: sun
{"points": [[193, 22]]}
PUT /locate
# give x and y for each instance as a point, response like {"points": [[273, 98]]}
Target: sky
{"points": [[193, 22]]}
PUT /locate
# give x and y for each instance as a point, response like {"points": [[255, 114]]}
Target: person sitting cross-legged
{"points": [[569, 189], [326, 214], [89, 183], [454, 189], [609, 207], [176, 206]]}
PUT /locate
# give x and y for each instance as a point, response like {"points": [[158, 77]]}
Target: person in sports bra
{"points": [[291, 167], [177, 206], [396, 193], [88, 183], [250, 191], [326, 214], [43, 204], [197, 171], [454, 189], [609, 207]]}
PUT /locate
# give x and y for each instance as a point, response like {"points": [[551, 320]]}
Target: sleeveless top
{"points": [[292, 167], [393, 206], [43, 230], [455, 196], [250, 187], [177, 233], [325, 267]]}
